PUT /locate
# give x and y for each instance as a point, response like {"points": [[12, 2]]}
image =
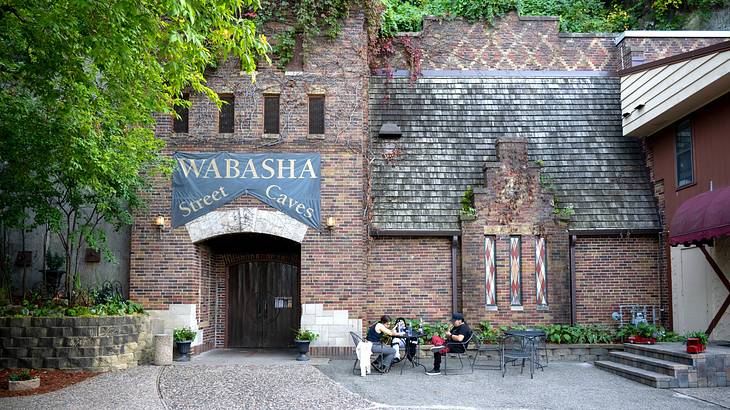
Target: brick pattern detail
{"points": [[610, 271], [512, 43], [634, 51], [490, 271], [515, 271], [540, 272]]}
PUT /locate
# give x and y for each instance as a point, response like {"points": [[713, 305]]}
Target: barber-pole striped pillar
{"points": [[490, 271], [515, 270]]}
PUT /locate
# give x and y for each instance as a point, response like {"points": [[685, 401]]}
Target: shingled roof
{"points": [[450, 124]]}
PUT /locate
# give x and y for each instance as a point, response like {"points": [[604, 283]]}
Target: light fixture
{"points": [[330, 222], [160, 222]]}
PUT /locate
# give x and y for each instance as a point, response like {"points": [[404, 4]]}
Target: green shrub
{"points": [[486, 333], [183, 335]]}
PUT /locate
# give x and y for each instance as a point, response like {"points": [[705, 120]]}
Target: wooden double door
{"points": [[263, 304]]}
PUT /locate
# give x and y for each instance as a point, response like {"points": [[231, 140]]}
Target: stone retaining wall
{"points": [[75, 343]]}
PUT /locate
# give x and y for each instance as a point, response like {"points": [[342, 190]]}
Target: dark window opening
{"points": [[225, 117], [271, 114], [316, 114], [684, 154], [180, 122]]}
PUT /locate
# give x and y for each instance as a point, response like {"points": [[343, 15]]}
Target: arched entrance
{"points": [[262, 289]]}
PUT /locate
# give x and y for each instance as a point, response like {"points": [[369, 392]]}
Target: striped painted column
{"points": [[515, 270], [490, 271], [540, 272]]}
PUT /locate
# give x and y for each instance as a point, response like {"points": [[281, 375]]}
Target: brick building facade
{"points": [[487, 113]]}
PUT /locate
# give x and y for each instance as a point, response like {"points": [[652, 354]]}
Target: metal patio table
{"points": [[413, 340], [530, 341]]}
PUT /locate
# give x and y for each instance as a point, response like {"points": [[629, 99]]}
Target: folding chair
{"points": [[459, 355], [356, 338]]}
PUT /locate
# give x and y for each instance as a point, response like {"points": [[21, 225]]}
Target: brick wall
{"points": [[409, 277], [633, 51], [513, 203], [611, 271], [166, 268]]}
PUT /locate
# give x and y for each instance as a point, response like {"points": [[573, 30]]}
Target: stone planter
{"points": [[302, 348], [184, 349], [24, 384]]}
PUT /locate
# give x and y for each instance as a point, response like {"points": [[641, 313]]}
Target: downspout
{"points": [[571, 255], [454, 244]]}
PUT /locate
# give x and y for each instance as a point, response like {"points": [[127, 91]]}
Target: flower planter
{"points": [[694, 345], [184, 349], [302, 349], [24, 384], [641, 340]]}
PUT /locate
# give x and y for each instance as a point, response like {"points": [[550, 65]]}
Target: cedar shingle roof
{"points": [[450, 124]]}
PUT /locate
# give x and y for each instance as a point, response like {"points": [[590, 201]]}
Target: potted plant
{"points": [[302, 340], [696, 341], [644, 333], [183, 338], [23, 380]]}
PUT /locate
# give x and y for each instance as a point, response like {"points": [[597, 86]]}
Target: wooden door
{"points": [[263, 304]]}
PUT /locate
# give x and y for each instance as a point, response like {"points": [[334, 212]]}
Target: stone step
{"points": [[658, 380], [667, 367], [661, 352]]}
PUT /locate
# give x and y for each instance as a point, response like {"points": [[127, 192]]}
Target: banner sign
{"points": [[204, 181]]}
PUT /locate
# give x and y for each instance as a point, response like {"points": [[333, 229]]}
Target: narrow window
{"points": [[541, 272], [515, 271], [316, 114], [490, 271], [225, 117], [684, 154], [271, 114], [180, 122]]}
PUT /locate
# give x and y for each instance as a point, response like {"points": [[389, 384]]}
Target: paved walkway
{"points": [[263, 379]]}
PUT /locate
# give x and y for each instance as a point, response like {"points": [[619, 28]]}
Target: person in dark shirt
{"points": [[457, 335]]}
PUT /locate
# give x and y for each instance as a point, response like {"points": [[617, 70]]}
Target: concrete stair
{"points": [[651, 365]]}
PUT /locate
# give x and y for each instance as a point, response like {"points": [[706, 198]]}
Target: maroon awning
{"points": [[701, 218]]}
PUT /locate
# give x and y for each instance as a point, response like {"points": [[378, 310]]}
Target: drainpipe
{"points": [[454, 244], [571, 253]]}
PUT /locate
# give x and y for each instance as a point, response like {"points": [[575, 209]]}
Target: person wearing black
{"points": [[458, 334]]}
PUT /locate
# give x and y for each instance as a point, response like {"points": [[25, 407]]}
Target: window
{"points": [[490, 270], [316, 114], [271, 114], [684, 154], [515, 271], [225, 117], [180, 125], [541, 272]]}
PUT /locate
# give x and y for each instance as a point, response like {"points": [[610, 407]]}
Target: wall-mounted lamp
{"points": [[330, 222], [160, 222]]}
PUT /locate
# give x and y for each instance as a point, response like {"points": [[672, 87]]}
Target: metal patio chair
{"points": [[484, 349], [514, 349], [460, 356], [356, 338]]}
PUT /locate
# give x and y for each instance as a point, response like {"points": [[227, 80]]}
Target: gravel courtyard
{"points": [[256, 382]]}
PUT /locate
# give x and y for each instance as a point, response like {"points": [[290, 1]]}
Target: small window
{"points": [[316, 114], [225, 117], [271, 114], [684, 154], [180, 122]]}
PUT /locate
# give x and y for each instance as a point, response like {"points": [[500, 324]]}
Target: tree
{"points": [[80, 83]]}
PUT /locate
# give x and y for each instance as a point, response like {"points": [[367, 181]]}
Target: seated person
{"points": [[398, 343], [375, 332], [458, 333]]}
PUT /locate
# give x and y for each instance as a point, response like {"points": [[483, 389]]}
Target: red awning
{"points": [[701, 218]]}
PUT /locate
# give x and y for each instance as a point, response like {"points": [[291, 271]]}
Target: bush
{"points": [[590, 334], [304, 334], [23, 374], [486, 333], [184, 335]]}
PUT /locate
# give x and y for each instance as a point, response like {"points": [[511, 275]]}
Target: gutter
{"points": [[454, 287], [571, 256]]}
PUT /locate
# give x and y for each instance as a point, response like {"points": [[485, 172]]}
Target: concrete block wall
{"points": [[333, 326]]}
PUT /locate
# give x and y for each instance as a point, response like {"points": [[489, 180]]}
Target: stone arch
{"points": [[245, 220]]}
